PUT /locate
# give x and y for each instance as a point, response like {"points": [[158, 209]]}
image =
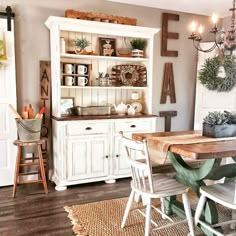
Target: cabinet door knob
{"points": [[117, 155], [132, 126], [88, 128], [106, 156]]}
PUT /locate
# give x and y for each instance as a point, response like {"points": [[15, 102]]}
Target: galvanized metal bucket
{"points": [[29, 130]]}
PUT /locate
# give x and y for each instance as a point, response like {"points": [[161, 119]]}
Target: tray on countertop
{"points": [[92, 110]]}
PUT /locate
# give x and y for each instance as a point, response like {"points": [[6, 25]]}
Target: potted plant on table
{"points": [[80, 45], [138, 46], [219, 124]]}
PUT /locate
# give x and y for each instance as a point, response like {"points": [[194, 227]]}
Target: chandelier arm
{"points": [[198, 47], [224, 41]]}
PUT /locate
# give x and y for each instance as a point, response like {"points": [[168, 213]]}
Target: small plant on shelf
{"points": [[81, 44], [138, 46], [138, 43]]}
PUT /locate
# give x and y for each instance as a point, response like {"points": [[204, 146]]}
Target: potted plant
{"points": [[138, 46], [219, 124], [80, 45]]}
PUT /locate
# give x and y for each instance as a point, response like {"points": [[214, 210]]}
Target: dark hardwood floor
{"points": [[34, 213]]}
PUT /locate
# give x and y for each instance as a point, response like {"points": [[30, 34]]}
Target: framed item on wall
{"points": [[107, 46], [66, 104]]}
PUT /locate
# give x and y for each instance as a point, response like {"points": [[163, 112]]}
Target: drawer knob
{"points": [[106, 156], [117, 155], [88, 128], [133, 126]]}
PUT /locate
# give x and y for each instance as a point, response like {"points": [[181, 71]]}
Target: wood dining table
{"points": [[212, 168]]}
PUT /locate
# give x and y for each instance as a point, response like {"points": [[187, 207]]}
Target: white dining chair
{"points": [[148, 186], [221, 193]]}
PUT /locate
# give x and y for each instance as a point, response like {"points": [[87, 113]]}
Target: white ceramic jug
{"points": [[121, 108], [131, 110]]}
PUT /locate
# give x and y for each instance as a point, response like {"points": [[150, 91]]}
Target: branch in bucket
{"points": [[28, 113], [40, 114], [25, 113], [15, 113]]}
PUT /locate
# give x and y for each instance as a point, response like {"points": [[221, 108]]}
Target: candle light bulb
{"points": [[200, 29], [193, 26], [214, 18]]}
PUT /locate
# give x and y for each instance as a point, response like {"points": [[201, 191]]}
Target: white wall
{"points": [[32, 45], [226, 23]]}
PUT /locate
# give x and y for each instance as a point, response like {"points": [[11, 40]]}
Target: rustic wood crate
{"points": [[100, 17]]}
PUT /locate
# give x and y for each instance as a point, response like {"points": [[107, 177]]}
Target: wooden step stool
{"points": [[21, 162]]}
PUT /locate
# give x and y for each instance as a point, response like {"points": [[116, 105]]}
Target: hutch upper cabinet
{"points": [[87, 148]]}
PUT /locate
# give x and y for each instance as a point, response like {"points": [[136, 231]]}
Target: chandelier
{"points": [[224, 41]]}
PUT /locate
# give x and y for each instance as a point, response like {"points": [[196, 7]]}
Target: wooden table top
{"points": [[200, 151]]}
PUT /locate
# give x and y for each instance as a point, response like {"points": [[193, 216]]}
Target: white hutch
{"points": [[87, 148]]}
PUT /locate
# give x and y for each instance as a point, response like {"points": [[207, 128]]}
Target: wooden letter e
{"points": [[168, 35]]}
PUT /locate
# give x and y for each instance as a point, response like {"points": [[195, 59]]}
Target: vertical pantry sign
{"points": [[45, 101]]}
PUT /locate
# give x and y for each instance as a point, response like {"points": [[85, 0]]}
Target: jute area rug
{"points": [[104, 219]]}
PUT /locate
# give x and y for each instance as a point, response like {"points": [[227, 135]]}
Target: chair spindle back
{"points": [[141, 170]]}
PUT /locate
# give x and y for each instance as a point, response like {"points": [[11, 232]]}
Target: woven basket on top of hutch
{"points": [[87, 148]]}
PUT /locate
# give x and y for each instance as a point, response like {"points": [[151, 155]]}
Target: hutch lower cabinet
{"points": [[90, 150]]}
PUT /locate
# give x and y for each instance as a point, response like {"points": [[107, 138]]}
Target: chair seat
{"points": [[223, 194], [163, 185]]}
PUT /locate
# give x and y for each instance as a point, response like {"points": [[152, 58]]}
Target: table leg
{"points": [[233, 226], [194, 179]]}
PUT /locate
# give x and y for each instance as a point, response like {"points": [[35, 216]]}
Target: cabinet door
{"points": [[8, 131], [87, 157], [121, 166]]}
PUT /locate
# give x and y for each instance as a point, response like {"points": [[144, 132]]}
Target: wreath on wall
{"points": [[210, 73]]}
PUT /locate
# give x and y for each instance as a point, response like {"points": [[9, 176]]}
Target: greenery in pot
{"points": [[216, 118], [81, 44], [231, 116], [138, 43], [220, 118], [219, 124]]}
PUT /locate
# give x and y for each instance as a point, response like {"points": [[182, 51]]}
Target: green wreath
{"points": [[208, 75]]}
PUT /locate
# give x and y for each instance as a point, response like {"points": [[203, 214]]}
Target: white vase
{"points": [[137, 53]]}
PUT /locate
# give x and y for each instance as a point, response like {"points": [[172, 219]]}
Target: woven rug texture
{"points": [[104, 219]]}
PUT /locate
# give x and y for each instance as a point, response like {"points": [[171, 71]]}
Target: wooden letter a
{"points": [[168, 85]]}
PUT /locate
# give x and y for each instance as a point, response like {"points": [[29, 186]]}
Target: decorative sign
{"points": [[168, 35], [168, 84], [167, 115], [107, 46], [45, 97]]}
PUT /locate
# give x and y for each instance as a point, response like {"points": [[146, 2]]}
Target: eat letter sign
{"points": [[168, 35]]}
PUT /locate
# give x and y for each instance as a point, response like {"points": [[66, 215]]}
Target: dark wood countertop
{"points": [[71, 118]]}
